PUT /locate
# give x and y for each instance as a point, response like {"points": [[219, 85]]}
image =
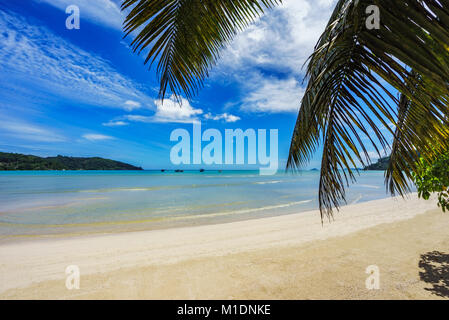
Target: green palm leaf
{"points": [[186, 36], [429, 143], [347, 91]]}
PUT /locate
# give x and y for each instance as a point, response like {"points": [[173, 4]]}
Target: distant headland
{"points": [[16, 161], [381, 165]]}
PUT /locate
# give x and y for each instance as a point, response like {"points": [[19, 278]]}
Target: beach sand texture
{"points": [[284, 257]]}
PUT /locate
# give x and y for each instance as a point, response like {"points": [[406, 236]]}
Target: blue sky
{"points": [[84, 93]]}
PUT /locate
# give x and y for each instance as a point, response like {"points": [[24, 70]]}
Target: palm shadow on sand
{"points": [[435, 271]]}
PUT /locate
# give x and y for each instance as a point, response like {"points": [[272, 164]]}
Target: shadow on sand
{"points": [[435, 271]]}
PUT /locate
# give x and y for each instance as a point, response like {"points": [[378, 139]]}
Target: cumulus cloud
{"points": [[117, 123], [97, 137], [132, 105], [174, 111], [281, 40], [35, 56], [273, 95], [266, 60], [139, 118], [224, 116], [170, 111]]}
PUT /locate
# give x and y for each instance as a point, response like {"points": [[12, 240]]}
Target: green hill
{"points": [[16, 161], [381, 164]]}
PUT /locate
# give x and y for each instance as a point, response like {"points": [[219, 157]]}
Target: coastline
{"points": [[281, 257]]}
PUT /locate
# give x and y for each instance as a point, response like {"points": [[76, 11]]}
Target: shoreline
{"points": [[57, 206], [36, 269]]}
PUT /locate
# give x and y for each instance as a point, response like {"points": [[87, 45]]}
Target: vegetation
{"points": [[354, 75], [381, 164], [433, 176], [186, 36], [15, 161]]}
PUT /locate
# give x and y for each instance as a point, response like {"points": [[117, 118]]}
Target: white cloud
{"points": [[132, 105], [170, 111], [224, 116], [104, 12], [273, 95], [21, 130], [281, 40], [139, 118], [97, 137], [278, 44], [33, 55], [117, 123], [173, 111]]}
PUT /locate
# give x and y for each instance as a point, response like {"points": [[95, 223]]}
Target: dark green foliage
{"points": [[186, 37], [381, 164], [15, 161], [348, 106], [433, 176]]}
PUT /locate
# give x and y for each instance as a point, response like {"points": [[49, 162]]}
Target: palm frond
{"points": [[186, 36], [350, 99], [409, 145]]}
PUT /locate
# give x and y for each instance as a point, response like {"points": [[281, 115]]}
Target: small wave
{"points": [[229, 176], [167, 187], [152, 219], [269, 182], [368, 186], [242, 211], [356, 200]]}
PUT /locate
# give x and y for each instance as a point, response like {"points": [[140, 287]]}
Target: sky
{"points": [[85, 93]]}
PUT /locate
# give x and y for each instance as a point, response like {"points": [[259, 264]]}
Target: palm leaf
{"points": [[409, 145], [346, 92], [186, 36]]}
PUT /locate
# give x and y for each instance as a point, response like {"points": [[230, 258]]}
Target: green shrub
{"points": [[431, 177]]}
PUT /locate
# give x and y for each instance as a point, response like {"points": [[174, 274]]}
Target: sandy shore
{"points": [[286, 257]]}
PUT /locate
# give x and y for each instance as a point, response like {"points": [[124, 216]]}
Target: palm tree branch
{"points": [[187, 36], [334, 99]]}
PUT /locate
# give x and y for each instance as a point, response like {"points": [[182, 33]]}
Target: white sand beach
{"points": [[283, 257]]}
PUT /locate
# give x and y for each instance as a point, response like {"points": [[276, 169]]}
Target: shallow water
{"points": [[73, 202]]}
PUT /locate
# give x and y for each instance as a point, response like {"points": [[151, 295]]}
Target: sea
{"points": [[56, 203]]}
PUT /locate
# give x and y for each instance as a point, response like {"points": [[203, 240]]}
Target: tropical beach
{"points": [[285, 257], [224, 150]]}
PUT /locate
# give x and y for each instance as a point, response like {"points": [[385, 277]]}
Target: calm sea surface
{"points": [[78, 202]]}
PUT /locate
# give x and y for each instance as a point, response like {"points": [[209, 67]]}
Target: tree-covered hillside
{"points": [[381, 164], [16, 161]]}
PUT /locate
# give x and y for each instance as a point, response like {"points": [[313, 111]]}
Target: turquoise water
{"points": [[74, 202]]}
